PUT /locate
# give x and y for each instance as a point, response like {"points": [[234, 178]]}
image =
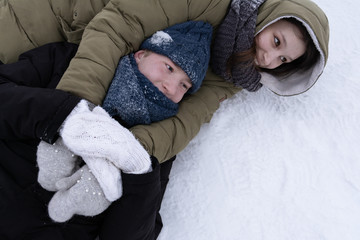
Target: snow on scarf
{"points": [[236, 34], [133, 98]]}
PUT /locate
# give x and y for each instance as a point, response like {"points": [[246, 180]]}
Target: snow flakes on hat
{"points": [[187, 45], [160, 37]]}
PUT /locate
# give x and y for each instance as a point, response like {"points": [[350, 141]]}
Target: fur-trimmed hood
{"points": [[316, 22]]}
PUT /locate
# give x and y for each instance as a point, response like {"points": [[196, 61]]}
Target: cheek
{"points": [[178, 97], [257, 40], [259, 44], [148, 72], [144, 68], [159, 76]]}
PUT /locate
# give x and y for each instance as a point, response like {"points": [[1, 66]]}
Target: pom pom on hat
{"points": [[187, 45]]}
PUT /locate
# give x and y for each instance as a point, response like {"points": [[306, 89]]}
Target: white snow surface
{"points": [[160, 37], [278, 168]]}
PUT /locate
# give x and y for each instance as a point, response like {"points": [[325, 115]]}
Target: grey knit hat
{"points": [[187, 45]]}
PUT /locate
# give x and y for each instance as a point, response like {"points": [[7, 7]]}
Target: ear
{"points": [[138, 55]]}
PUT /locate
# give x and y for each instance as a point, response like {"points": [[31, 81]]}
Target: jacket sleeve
{"points": [[119, 29], [167, 138], [30, 106], [27, 112]]}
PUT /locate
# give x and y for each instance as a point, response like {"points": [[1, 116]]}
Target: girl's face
{"points": [[278, 43], [168, 77]]}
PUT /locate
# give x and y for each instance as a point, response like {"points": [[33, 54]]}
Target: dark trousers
{"points": [[136, 215]]}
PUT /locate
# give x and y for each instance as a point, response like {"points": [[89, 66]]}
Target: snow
{"points": [[278, 168], [160, 37]]}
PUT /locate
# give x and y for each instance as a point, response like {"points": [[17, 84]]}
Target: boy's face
{"points": [[169, 78], [278, 43]]}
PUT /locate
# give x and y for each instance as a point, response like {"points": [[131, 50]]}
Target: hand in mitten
{"points": [[55, 161], [80, 194], [94, 134], [107, 175]]}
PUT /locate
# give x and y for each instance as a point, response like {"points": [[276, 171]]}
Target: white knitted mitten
{"points": [[94, 134], [107, 175], [55, 161], [79, 194]]}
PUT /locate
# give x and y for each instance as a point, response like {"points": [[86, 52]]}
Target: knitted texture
{"points": [[107, 175], [236, 34], [55, 162], [105, 145], [90, 190], [186, 44], [134, 99], [79, 194], [94, 134]]}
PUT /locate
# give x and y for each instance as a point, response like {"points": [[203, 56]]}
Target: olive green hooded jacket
{"points": [[117, 27]]}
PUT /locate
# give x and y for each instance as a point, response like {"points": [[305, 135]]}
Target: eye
{"points": [[169, 67], [276, 41], [283, 59], [185, 86]]}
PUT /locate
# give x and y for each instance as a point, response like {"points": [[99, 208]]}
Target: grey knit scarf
{"points": [[133, 99], [236, 34]]}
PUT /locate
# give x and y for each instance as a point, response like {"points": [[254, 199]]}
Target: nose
{"points": [[170, 86], [271, 60]]}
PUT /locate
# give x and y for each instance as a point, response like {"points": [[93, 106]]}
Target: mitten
{"points": [[55, 161], [80, 194], [95, 134], [107, 175]]}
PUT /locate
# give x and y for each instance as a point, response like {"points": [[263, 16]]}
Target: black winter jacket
{"points": [[27, 110], [28, 113]]}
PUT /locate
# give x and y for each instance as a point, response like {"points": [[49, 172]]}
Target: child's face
{"points": [[278, 43], [169, 78]]}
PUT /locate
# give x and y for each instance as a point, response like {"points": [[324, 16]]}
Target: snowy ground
{"points": [[269, 167]]}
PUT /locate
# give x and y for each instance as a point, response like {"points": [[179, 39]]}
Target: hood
{"points": [[316, 22]]}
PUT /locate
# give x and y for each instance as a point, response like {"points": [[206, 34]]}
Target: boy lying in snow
{"points": [[146, 87]]}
